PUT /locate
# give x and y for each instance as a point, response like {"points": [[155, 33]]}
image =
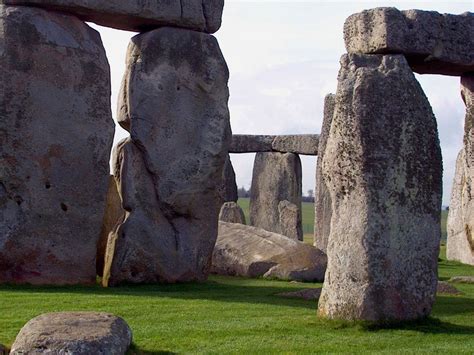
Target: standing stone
{"points": [[460, 243], [138, 15], [228, 189], [276, 177], [232, 213], [322, 202], [174, 103], [382, 165], [56, 133]]}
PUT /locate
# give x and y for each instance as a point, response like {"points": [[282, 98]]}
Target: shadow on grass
{"points": [[135, 350], [428, 326], [222, 290]]}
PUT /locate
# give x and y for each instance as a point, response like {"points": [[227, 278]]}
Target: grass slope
{"points": [[235, 315]]}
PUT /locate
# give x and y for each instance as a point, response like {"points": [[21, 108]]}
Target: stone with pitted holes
{"points": [[253, 252], [433, 43], [383, 168], [56, 132], [138, 15], [169, 172], [78, 333]]}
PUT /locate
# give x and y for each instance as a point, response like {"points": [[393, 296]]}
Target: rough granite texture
{"points": [[232, 213], [78, 333], [174, 101], [138, 15], [253, 252], [276, 177], [304, 144], [383, 168], [322, 202], [56, 132], [433, 43], [228, 189]]}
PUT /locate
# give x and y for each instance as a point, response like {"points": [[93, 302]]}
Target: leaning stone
{"points": [[228, 188], [175, 94], [276, 177], [305, 144], [114, 214], [460, 227], [253, 252], [73, 333], [462, 279], [433, 43], [138, 15], [383, 168], [56, 132], [232, 213], [322, 202]]}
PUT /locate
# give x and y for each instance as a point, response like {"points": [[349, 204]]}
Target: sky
{"points": [[283, 58]]}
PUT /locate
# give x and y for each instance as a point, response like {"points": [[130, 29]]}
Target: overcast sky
{"points": [[283, 58]]}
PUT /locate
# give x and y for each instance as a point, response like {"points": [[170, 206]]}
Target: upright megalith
{"points": [[322, 201], [228, 188], [231, 212], [56, 132], [433, 43], [460, 243], [276, 178], [138, 15], [382, 165], [174, 103]]}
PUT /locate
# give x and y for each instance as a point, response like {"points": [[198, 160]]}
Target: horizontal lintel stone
{"points": [[137, 15], [433, 43], [305, 144]]}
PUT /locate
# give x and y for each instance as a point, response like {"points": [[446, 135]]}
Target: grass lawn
{"points": [[235, 315]]}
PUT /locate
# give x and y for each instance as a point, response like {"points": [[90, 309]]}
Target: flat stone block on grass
{"points": [[138, 15]]}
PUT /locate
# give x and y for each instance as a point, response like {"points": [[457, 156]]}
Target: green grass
{"points": [[236, 315]]}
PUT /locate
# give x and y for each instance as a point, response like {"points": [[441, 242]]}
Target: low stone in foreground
{"points": [[138, 15], [462, 279], [74, 333], [253, 252], [433, 43]]}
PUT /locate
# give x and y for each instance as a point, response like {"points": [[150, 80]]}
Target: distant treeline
{"points": [[244, 193]]}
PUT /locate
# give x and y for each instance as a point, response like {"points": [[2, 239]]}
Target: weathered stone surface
{"points": [[382, 165], [231, 213], [432, 43], [138, 15], [276, 178], [322, 202], [253, 252], [175, 94], [460, 243], [56, 132], [73, 333], [228, 188], [114, 214], [462, 279], [305, 144]]}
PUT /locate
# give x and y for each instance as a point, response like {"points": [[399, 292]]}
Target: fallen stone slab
{"points": [[253, 252], [383, 168], [56, 133], [275, 194], [304, 144], [446, 288], [462, 279], [433, 43], [309, 294], [78, 333], [174, 104], [138, 15], [231, 213]]}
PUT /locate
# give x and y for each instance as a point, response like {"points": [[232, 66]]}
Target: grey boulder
{"points": [[253, 252], [174, 102], [138, 15], [56, 133], [383, 168], [277, 177], [231, 213], [75, 333], [433, 43]]}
